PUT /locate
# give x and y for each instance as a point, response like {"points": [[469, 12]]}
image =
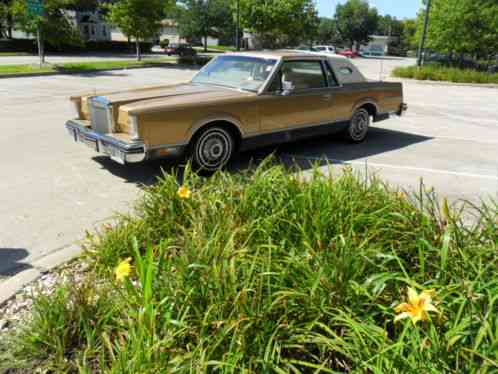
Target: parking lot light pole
{"points": [[421, 49], [237, 28]]}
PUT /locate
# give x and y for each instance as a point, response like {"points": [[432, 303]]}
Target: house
{"points": [[169, 31], [378, 45], [251, 41], [92, 26]]}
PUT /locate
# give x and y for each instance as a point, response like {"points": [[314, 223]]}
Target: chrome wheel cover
{"points": [[213, 149]]}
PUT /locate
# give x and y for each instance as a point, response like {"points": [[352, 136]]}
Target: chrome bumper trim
{"points": [[118, 150]]}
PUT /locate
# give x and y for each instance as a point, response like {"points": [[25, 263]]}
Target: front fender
{"points": [[223, 117]]}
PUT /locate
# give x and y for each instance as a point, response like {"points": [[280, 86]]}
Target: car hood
{"points": [[150, 93], [175, 97]]}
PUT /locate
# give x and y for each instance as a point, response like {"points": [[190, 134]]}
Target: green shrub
{"points": [[164, 43], [440, 73], [268, 272]]}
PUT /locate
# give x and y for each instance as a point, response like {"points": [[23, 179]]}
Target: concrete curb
{"points": [[10, 287], [446, 83], [49, 74]]}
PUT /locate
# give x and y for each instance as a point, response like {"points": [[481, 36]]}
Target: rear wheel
{"points": [[358, 127], [212, 149]]}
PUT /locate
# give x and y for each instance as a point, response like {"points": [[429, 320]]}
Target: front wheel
{"points": [[212, 149], [358, 127]]}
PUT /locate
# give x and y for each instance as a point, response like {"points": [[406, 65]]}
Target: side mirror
{"points": [[287, 88]]}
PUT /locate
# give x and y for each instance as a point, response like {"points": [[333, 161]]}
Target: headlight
{"points": [[133, 122], [75, 108]]}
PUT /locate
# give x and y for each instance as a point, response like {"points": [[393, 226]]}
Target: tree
{"points": [[55, 26], [204, 18], [408, 40], [356, 21], [462, 27], [280, 23], [4, 13], [327, 32], [137, 19]]}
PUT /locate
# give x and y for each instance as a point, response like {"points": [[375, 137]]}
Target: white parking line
{"points": [[412, 168]]}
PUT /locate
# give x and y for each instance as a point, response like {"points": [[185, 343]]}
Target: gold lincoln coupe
{"points": [[238, 101]]}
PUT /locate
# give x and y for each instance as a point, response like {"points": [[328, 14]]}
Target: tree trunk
{"points": [[139, 54], [205, 43], [41, 47], [42, 51], [10, 23]]}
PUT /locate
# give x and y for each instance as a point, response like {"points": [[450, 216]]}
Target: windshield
{"points": [[247, 73]]}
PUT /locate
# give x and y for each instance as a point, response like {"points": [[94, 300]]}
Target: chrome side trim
{"points": [[284, 129]]}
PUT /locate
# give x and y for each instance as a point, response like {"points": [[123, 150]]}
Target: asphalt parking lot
{"points": [[52, 190]]}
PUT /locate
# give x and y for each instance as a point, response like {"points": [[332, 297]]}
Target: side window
{"points": [[345, 70], [276, 85], [330, 75], [303, 75]]}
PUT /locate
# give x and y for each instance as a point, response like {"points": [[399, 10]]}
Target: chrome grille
{"points": [[101, 115]]}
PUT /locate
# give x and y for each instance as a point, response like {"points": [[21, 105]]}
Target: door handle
{"points": [[327, 97]]}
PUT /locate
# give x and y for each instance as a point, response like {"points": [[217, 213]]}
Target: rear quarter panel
{"points": [[386, 96]]}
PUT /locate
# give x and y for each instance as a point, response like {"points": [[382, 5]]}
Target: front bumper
{"points": [[119, 151]]}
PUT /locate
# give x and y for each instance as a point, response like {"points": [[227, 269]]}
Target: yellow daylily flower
{"points": [[418, 306], [184, 192], [123, 270]]}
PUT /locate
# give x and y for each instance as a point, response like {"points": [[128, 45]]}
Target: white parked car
{"points": [[325, 49], [157, 49]]}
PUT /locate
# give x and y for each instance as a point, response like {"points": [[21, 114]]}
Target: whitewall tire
{"points": [[212, 149]]}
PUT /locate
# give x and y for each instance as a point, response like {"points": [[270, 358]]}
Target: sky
{"points": [[398, 8]]}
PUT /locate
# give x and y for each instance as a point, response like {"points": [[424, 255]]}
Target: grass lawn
{"points": [[13, 54], [441, 73], [264, 272], [81, 66]]}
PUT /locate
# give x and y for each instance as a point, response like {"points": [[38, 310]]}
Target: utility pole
{"points": [[237, 28], [421, 49]]}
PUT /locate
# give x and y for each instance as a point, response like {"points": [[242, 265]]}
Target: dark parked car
{"points": [[180, 50]]}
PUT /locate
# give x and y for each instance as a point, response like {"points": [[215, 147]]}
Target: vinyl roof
{"points": [[286, 54]]}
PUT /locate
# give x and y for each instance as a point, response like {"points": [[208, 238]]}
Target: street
{"points": [[69, 58], [53, 190]]}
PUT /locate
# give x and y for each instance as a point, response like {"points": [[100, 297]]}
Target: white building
{"points": [[378, 46], [92, 26]]}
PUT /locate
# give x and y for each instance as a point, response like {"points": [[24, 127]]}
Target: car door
{"points": [[299, 96]]}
